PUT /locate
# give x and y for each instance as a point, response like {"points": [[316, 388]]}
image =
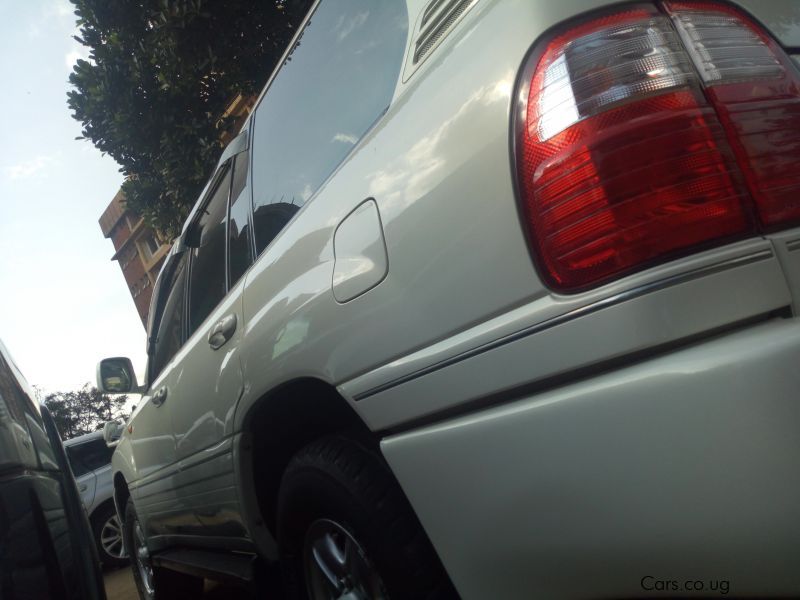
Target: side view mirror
{"points": [[112, 431], [116, 376]]}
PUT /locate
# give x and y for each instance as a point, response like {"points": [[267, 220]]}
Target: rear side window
{"points": [[207, 283], [89, 456], [340, 77]]}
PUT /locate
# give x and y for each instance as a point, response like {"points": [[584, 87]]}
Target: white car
{"points": [[489, 297], [90, 459]]}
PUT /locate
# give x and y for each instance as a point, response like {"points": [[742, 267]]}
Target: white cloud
{"points": [[28, 168], [345, 137], [59, 8], [73, 55], [53, 15]]}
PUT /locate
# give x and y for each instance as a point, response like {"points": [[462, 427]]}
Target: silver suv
{"points": [[90, 459], [497, 294]]}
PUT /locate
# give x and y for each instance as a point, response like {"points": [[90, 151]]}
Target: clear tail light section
{"points": [[722, 46], [629, 140], [755, 89]]}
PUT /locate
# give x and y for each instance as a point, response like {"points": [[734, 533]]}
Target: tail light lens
{"points": [[626, 158], [756, 92]]}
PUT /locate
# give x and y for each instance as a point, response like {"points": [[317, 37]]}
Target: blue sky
{"points": [[63, 303]]}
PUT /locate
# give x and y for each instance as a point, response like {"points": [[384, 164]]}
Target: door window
{"points": [[339, 78], [170, 322], [240, 253], [207, 281]]}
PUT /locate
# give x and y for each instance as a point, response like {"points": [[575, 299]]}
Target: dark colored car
{"points": [[46, 546]]}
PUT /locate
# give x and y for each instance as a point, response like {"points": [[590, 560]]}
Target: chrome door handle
{"points": [[82, 487], [221, 332], [159, 397]]}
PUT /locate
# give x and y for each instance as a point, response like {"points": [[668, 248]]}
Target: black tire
{"points": [[336, 480], [103, 521], [165, 584]]}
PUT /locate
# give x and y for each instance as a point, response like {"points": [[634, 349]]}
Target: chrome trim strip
{"points": [[793, 245], [573, 314]]}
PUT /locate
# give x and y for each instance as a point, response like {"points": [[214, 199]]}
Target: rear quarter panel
{"points": [[437, 165]]}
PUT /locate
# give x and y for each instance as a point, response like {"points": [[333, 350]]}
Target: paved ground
{"points": [[120, 586]]}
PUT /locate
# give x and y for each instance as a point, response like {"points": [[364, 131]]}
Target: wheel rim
{"points": [[142, 558], [111, 538], [336, 566]]}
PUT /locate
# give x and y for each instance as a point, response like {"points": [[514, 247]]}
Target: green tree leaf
{"points": [[161, 74]]}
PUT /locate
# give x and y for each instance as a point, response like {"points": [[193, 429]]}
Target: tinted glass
{"points": [[339, 79], [89, 456], [207, 280], [17, 411], [169, 338], [240, 253]]}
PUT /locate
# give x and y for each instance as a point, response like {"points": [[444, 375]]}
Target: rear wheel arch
{"points": [[284, 421]]}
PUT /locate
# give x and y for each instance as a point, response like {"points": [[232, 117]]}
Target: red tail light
{"points": [[622, 160], [756, 91]]}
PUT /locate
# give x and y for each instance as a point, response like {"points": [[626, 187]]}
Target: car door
{"points": [[84, 477], [91, 464], [211, 377], [150, 430]]}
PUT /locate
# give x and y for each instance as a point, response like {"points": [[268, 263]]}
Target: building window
{"points": [[148, 246], [152, 243], [127, 257], [141, 285], [131, 220]]}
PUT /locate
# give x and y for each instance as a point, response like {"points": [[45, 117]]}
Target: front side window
{"points": [[339, 79], [169, 322], [207, 281]]}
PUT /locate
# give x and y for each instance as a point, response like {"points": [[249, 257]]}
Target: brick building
{"points": [[138, 251]]}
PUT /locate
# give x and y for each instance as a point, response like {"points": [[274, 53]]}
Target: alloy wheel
{"points": [[142, 559], [336, 566], [111, 538]]}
